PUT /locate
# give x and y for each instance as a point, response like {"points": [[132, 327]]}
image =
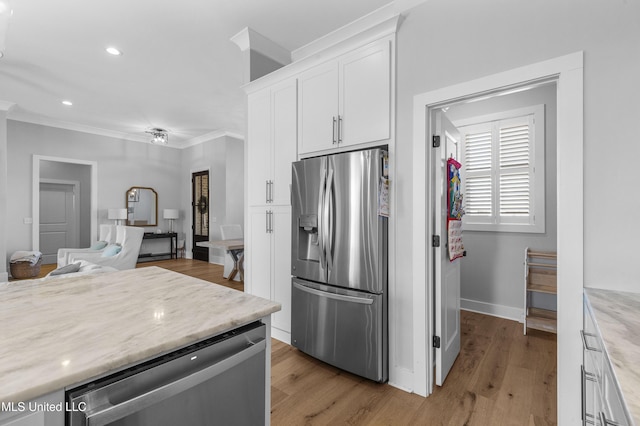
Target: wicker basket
{"points": [[25, 269]]}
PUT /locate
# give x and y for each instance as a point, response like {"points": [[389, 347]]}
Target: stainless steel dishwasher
{"points": [[220, 381]]}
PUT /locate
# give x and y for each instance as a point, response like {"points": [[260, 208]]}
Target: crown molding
{"points": [[250, 39], [44, 121], [211, 136], [365, 23], [6, 106]]}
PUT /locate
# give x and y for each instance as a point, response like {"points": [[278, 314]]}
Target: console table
{"points": [[173, 245]]}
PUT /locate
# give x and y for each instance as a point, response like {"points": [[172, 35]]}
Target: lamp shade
{"points": [[171, 214], [117, 214]]}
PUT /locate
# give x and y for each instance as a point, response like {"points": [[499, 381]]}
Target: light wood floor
{"points": [[501, 377]]}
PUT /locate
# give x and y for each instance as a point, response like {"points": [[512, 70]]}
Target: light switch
{"points": [[214, 219], [28, 220]]}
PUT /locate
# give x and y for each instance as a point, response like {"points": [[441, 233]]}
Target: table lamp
{"points": [[118, 215], [171, 214]]}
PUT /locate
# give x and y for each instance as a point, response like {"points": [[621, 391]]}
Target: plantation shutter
{"points": [[514, 147], [503, 171], [478, 183]]}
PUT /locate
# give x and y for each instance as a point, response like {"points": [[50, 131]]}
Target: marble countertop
{"points": [[617, 314], [63, 331]]}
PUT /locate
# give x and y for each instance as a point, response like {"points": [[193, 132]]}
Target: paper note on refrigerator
{"points": [[383, 197]]}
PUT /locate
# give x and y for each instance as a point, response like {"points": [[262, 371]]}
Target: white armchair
{"points": [[231, 232], [130, 240], [107, 235]]}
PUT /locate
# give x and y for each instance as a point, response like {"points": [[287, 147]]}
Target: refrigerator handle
{"points": [[335, 296], [321, 195], [330, 219]]}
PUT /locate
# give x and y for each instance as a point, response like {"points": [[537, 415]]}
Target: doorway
{"points": [[65, 170], [567, 71], [59, 217], [200, 213]]}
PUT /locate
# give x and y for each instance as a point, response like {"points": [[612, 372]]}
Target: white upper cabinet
{"points": [[346, 101], [272, 132]]}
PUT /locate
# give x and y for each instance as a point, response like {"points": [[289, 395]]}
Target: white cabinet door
{"points": [[258, 254], [318, 108], [259, 146], [284, 99], [365, 95], [281, 249]]}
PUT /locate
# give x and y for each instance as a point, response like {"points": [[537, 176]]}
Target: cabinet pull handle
{"points": [[266, 191], [585, 344], [339, 130], [334, 129], [266, 225], [270, 191]]}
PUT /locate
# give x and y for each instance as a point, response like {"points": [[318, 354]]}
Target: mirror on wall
{"points": [[142, 206]]}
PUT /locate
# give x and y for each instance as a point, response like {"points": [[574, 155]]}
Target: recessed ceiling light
{"points": [[113, 51], [67, 103]]}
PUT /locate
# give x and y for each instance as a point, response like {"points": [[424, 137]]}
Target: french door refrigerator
{"points": [[339, 262]]}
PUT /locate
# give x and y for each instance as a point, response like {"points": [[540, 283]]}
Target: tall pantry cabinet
{"points": [[271, 148]]}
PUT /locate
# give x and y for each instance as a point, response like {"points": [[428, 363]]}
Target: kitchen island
{"points": [[61, 332]]}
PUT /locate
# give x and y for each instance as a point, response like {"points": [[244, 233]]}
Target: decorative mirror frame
{"points": [[133, 196]]}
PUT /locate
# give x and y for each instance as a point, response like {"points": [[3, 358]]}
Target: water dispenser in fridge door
{"points": [[308, 247]]}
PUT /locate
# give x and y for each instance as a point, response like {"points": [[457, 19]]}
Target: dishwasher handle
{"points": [[105, 415]]}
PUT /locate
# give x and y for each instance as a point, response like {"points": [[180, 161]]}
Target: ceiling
{"points": [[179, 70]]}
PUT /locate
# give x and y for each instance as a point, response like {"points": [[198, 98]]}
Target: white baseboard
{"points": [[401, 378], [218, 260], [281, 335], [500, 311], [4, 277]]}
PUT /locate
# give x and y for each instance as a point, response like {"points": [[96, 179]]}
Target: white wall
{"points": [[121, 164], [223, 157], [492, 272]]}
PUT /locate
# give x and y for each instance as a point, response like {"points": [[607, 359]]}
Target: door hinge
{"points": [[436, 342], [436, 141], [435, 241]]}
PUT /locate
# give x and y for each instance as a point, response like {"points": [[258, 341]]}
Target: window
{"points": [[503, 171]]}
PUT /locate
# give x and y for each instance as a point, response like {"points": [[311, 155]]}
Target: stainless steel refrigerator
{"points": [[339, 262]]}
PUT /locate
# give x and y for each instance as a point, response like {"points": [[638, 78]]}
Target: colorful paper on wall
{"points": [[455, 210]]}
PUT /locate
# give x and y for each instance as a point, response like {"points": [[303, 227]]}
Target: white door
{"points": [[259, 152], [318, 108], [59, 224], [258, 253], [281, 266], [365, 93], [447, 273], [285, 138]]}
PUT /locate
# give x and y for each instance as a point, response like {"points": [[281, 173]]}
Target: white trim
{"points": [[218, 260], [399, 377], [568, 72], [353, 29], [211, 136], [248, 38], [281, 335], [35, 195], [6, 106], [500, 311]]}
